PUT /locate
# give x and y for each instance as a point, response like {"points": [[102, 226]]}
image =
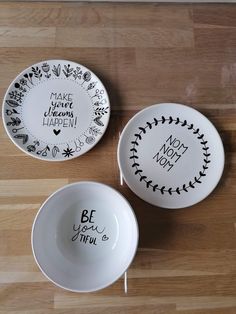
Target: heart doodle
{"points": [[56, 132], [105, 238]]}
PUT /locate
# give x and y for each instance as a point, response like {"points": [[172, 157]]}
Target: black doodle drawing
{"points": [[37, 72], [98, 121], [21, 88], [18, 96], [68, 71], [101, 111], [77, 73], [24, 82], [105, 237], [55, 150], [29, 77], [32, 147], [98, 93], [56, 132], [78, 146], [91, 85], [100, 102], [14, 121], [89, 139], [68, 152], [93, 130], [40, 72], [56, 70], [23, 137], [139, 171], [15, 130], [12, 103], [44, 151], [46, 68], [11, 112], [86, 77]]}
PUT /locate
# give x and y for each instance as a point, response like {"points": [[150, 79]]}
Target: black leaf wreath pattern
{"points": [[163, 189]]}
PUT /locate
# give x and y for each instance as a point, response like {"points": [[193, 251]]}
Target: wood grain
{"points": [[144, 54]]}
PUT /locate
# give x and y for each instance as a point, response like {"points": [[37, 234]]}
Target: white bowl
{"points": [[84, 236]]}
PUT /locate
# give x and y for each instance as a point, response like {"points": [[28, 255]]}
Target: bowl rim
{"points": [[135, 247]]}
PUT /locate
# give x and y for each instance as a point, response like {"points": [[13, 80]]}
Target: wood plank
{"points": [[30, 187], [27, 36]]}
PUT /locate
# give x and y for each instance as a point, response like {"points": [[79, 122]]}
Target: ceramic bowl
{"points": [[84, 236]]}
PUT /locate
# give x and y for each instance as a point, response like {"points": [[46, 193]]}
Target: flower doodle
{"points": [[68, 152]]}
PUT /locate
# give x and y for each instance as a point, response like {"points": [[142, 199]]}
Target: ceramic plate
{"points": [[56, 110], [171, 155], [84, 236]]}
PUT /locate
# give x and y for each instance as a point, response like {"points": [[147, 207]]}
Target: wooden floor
{"points": [[145, 54]]}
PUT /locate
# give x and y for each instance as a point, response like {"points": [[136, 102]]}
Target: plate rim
{"points": [[179, 105], [37, 156], [130, 208]]}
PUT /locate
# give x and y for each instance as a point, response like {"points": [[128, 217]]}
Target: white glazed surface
{"points": [[169, 176], [67, 257], [62, 110]]}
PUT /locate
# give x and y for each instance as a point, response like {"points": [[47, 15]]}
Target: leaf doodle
{"points": [[37, 72], [98, 121], [93, 130], [142, 129], [100, 111], [184, 123], [68, 71], [55, 150], [155, 187], [23, 137], [12, 103], [56, 70], [14, 121]]}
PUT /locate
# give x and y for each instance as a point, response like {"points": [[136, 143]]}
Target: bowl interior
{"points": [[84, 236]]}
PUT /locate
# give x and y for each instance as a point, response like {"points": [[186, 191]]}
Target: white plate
{"points": [[84, 236], [171, 155], [56, 110]]}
